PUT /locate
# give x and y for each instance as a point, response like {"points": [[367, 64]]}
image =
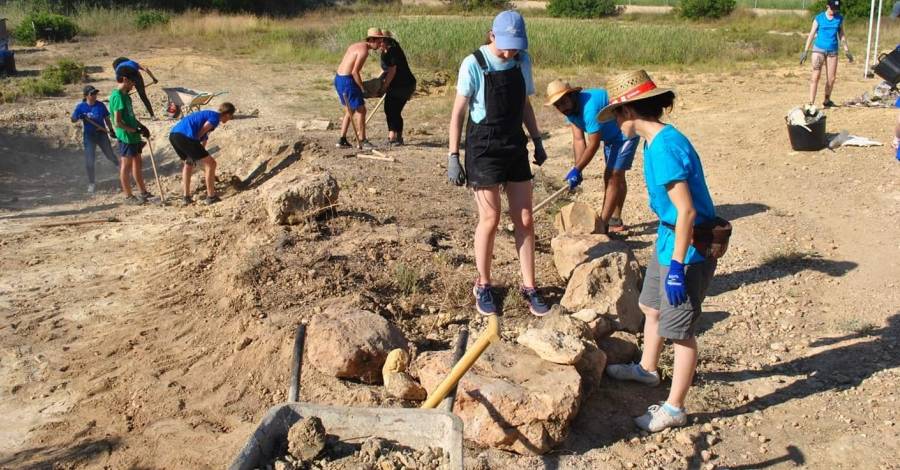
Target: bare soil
{"points": [[160, 340]]}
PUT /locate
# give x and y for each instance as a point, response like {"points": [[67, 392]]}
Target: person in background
{"points": [[129, 131], [189, 138], [349, 86], [581, 108], [95, 118], [896, 142], [131, 69], [493, 87], [828, 31], [398, 84]]}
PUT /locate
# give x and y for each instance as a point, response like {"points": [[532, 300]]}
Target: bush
{"points": [[149, 18], [45, 26], [581, 8], [850, 8], [65, 72], [41, 87], [473, 5], [698, 9]]}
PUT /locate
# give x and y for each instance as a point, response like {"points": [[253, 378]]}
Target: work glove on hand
{"points": [[675, 288], [573, 177], [540, 155], [849, 56], [455, 172], [803, 57], [144, 131], [112, 134]]}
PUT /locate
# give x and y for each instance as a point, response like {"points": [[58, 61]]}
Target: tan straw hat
{"points": [[628, 88], [375, 33], [557, 89]]}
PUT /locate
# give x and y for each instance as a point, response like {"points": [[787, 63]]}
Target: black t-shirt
{"points": [[394, 56]]}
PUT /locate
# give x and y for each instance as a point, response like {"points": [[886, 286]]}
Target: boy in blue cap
{"points": [[581, 108], [494, 84], [95, 117], [189, 138]]}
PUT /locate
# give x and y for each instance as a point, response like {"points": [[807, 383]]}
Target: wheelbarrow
{"points": [[417, 428], [186, 101]]}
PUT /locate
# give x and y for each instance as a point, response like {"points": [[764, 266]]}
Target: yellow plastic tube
{"points": [[489, 334]]}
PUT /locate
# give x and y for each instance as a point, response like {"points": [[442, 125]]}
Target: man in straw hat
{"points": [[678, 274], [349, 85], [580, 108]]}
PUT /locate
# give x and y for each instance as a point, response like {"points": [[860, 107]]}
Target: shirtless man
{"points": [[349, 86]]}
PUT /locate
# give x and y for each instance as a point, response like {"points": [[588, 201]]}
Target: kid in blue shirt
{"points": [[828, 31], [97, 126], [189, 138]]}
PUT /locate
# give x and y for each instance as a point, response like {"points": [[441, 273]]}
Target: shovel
{"points": [[510, 227], [350, 113], [372, 113], [162, 194]]}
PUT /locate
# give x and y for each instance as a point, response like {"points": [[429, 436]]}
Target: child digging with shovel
{"points": [[189, 138], [96, 126], [129, 132]]}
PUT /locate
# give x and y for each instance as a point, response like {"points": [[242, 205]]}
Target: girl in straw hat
{"points": [[677, 274], [493, 86]]}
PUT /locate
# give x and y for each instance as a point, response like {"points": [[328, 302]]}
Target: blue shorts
{"points": [[130, 150], [345, 86], [620, 156]]}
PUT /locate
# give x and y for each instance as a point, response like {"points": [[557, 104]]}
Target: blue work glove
{"points": [[573, 177], [455, 172], [675, 289], [540, 155]]}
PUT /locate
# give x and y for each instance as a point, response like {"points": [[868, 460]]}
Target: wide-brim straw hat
{"points": [[375, 33], [628, 88], [557, 89]]}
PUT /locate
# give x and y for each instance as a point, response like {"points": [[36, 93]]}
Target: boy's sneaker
{"points": [[187, 200], [133, 200], [536, 304], [828, 104], [146, 196], [92, 188], [633, 372], [343, 143], [211, 200], [366, 145], [659, 417], [484, 299]]}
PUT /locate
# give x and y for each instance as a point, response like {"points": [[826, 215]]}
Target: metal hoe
{"points": [[162, 194]]}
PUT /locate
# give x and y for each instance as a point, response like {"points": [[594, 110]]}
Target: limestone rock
{"points": [[396, 361], [600, 326], [314, 125], [511, 399], [293, 199], [352, 344], [620, 348], [306, 438], [401, 385], [552, 345], [566, 324], [577, 218], [608, 285], [592, 364], [572, 250]]}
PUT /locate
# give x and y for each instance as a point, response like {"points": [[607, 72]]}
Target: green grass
{"points": [[768, 4]]}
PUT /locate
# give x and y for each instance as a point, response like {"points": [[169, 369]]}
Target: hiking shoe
{"points": [[366, 145], [633, 372], [484, 299], [146, 196], [343, 144], [187, 200], [615, 225], [211, 200], [92, 188], [133, 200], [828, 104], [396, 142], [659, 417], [536, 304]]}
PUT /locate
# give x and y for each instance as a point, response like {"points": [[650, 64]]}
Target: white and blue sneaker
{"points": [[633, 372], [484, 299], [662, 416]]}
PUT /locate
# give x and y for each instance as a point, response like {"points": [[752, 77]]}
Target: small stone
{"points": [[711, 440], [306, 439], [706, 455], [243, 344], [684, 437]]}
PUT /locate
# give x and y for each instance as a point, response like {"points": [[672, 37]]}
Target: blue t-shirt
{"points": [[590, 102], [670, 158], [827, 35], [128, 63], [471, 79], [190, 125], [97, 113]]}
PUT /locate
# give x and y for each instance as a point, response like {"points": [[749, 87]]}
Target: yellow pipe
{"points": [[490, 333]]}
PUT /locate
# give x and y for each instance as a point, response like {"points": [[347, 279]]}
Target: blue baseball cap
{"points": [[509, 31]]}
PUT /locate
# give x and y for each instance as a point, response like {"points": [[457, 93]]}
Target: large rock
{"points": [[571, 250], [609, 285], [567, 324], [511, 399], [592, 364], [577, 218], [620, 348], [293, 199], [600, 326], [552, 345], [351, 344]]}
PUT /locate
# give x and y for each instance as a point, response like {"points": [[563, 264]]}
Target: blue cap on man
{"points": [[509, 31]]}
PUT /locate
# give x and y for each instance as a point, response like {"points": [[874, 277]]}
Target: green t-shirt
{"points": [[121, 102]]}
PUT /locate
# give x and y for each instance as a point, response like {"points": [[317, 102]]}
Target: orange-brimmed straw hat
{"points": [[375, 33], [557, 89], [628, 88]]}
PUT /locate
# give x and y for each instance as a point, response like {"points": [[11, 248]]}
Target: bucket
{"points": [[888, 67], [812, 139]]}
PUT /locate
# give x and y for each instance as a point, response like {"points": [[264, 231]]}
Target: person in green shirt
{"points": [[128, 132]]}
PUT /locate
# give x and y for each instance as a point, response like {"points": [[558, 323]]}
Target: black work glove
{"points": [[144, 131], [540, 155], [849, 56], [803, 57], [455, 172]]}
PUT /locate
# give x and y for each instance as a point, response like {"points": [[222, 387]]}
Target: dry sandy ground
{"points": [[160, 340]]}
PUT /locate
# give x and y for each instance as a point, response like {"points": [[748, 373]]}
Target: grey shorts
{"points": [[676, 322]]}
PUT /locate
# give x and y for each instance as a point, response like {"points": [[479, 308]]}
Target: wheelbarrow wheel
{"points": [[297, 363]]}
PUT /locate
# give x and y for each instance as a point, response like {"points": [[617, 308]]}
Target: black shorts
{"points": [[496, 156], [189, 150]]}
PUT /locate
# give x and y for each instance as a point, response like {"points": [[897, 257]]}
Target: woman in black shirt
{"points": [[398, 83]]}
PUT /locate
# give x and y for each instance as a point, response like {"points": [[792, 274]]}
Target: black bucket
{"points": [[812, 139], [888, 67]]}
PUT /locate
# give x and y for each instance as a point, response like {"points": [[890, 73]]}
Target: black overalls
{"points": [[496, 151]]}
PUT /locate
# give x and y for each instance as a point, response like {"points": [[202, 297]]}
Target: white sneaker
{"points": [[633, 372], [92, 188], [657, 418]]}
